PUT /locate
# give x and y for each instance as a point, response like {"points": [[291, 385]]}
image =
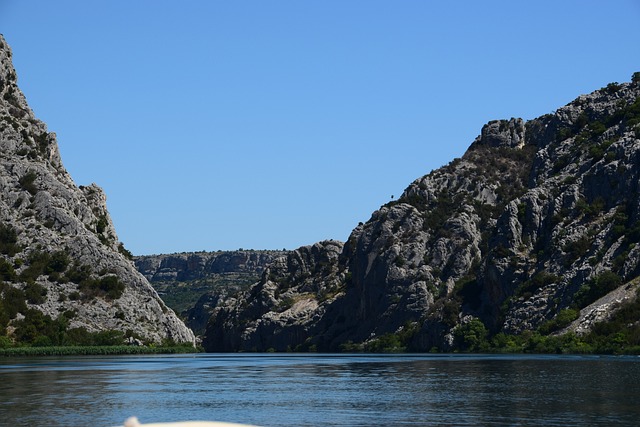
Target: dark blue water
{"points": [[322, 390]]}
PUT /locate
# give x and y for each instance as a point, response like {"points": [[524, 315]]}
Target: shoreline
{"points": [[93, 350]]}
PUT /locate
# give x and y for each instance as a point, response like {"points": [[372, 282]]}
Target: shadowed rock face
{"points": [[508, 234], [42, 211], [281, 310]]}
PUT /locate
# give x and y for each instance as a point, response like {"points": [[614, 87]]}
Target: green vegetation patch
{"points": [[27, 182], [182, 295], [394, 342], [40, 262], [7, 272], [538, 281], [562, 320], [109, 286], [37, 333], [471, 337], [8, 240], [94, 350], [596, 288]]}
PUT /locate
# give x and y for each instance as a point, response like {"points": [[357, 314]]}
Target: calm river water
{"points": [[322, 390]]}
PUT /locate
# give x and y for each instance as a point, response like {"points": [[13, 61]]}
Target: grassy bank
{"points": [[110, 350]]}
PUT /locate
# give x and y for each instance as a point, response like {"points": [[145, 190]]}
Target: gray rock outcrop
{"points": [[58, 238], [536, 218], [282, 310]]}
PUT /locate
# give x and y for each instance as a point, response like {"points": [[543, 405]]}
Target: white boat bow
{"points": [[133, 422]]}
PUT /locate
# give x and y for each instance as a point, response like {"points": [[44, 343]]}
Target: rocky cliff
{"points": [[194, 283], [184, 267], [61, 264], [534, 229]]}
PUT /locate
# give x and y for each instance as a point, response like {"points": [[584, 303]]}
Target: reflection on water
{"points": [[322, 390]]}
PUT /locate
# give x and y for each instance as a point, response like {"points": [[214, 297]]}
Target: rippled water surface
{"points": [[322, 390]]}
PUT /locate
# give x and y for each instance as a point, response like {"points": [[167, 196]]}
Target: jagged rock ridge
{"points": [[59, 251], [183, 267], [536, 219]]}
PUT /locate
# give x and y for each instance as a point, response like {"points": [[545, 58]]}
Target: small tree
{"points": [[471, 336]]}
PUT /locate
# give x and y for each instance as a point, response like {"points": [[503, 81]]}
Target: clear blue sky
{"points": [[272, 124]]}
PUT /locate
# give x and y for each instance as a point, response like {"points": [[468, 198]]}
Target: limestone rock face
{"points": [[537, 217], [183, 267], [43, 213], [194, 283], [281, 311], [502, 133]]}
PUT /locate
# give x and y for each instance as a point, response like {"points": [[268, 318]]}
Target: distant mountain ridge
{"points": [[535, 230], [198, 265], [193, 283], [64, 276]]}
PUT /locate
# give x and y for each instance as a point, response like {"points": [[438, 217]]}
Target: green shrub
{"points": [[78, 336], [109, 287], [6, 271], [36, 325], [610, 156], [451, 312], [78, 273], [388, 343], [109, 337], [27, 182], [124, 251], [58, 262], [596, 288], [42, 341], [37, 261], [576, 249], [5, 342], [562, 319], [564, 133], [35, 293], [618, 261], [631, 114], [597, 128], [13, 300], [44, 263], [505, 343], [42, 142], [397, 342], [613, 87], [538, 281], [101, 226], [8, 240]]}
